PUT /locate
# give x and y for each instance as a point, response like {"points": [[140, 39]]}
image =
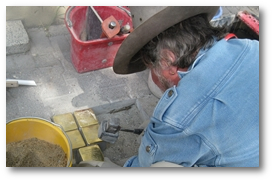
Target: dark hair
{"points": [[184, 40]]}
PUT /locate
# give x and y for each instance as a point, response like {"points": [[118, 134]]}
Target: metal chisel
{"points": [[16, 83]]}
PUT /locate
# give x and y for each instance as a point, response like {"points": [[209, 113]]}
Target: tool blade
{"points": [[27, 82]]}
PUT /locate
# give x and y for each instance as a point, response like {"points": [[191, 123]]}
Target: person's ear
{"points": [[173, 70], [169, 60]]}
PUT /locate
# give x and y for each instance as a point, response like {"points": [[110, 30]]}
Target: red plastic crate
{"points": [[98, 53]]}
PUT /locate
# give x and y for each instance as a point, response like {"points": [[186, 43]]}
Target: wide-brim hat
{"points": [[149, 21]]}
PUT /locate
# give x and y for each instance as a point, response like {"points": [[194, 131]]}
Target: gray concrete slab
{"points": [[17, 40]]}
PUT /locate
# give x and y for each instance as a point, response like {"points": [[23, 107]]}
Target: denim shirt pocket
{"points": [[147, 150]]}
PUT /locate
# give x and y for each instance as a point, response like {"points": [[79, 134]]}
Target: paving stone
{"points": [[58, 30], [17, 40], [90, 134], [85, 117], [40, 43], [76, 139], [67, 121], [92, 152]]}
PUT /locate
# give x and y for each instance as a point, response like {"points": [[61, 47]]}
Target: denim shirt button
{"points": [[170, 93], [148, 148]]}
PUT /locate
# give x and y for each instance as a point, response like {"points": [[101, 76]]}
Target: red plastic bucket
{"points": [[97, 53]]}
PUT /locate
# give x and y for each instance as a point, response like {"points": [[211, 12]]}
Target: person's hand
{"points": [[106, 163]]}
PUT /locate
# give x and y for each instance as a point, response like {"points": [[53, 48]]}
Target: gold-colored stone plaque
{"points": [[76, 139], [67, 121], [85, 117], [90, 134], [92, 152]]}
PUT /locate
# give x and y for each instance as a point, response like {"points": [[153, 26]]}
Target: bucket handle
{"points": [[69, 22], [124, 9]]}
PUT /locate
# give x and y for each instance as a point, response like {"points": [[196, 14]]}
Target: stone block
{"points": [[76, 139], [67, 121], [90, 134], [17, 40], [90, 153], [85, 117]]}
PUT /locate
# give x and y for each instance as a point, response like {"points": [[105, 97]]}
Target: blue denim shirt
{"points": [[212, 117]]}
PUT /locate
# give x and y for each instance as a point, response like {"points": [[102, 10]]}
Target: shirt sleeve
{"points": [[162, 142]]}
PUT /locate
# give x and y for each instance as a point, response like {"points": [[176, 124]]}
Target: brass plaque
{"points": [[75, 139], [85, 117], [92, 152], [90, 134], [67, 121]]}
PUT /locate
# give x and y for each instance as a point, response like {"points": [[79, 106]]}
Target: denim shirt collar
{"points": [[200, 54]]}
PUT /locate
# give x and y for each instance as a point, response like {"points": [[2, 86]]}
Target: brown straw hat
{"points": [[149, 21]]}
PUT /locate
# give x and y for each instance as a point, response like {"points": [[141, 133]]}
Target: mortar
{"points": [[25, 128]]}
